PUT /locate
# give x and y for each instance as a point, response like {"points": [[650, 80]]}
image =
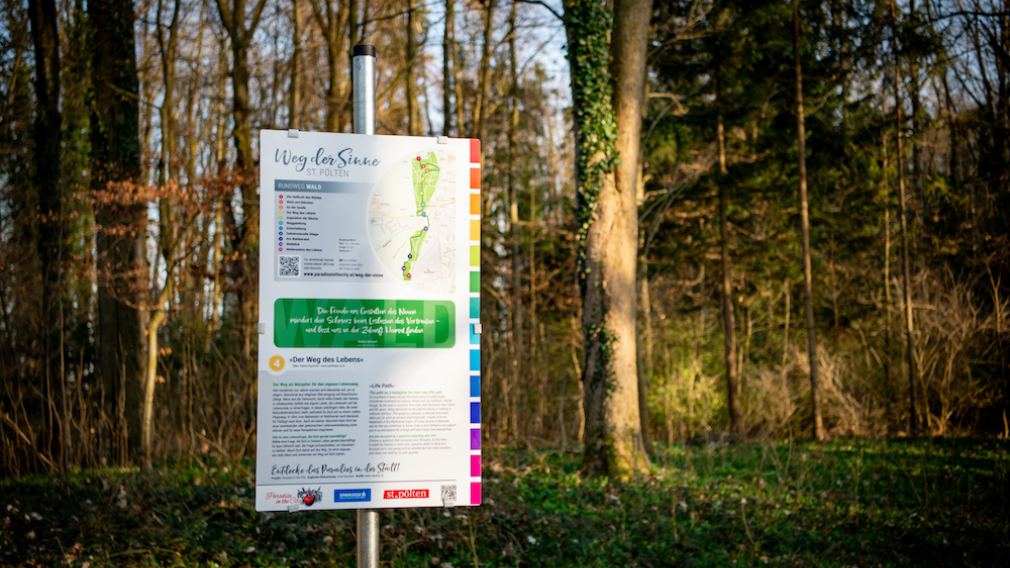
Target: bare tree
{"points": [[808, 287], [726, 283], [906, 271], [240, 28], [333, 17]]}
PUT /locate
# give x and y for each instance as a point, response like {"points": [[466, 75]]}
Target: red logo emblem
{"points": [[405, 494], [310, 496]]}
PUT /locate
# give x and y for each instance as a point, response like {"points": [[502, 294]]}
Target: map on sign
{"points": [[411, 220]]}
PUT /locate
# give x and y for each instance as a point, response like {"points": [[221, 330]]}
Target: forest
{"points": [[708, 225]]}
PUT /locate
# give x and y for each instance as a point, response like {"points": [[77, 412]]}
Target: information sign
{"points": [[369, 351]]}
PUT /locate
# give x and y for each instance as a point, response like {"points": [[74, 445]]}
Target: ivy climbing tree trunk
{"points": [[607, 125]]}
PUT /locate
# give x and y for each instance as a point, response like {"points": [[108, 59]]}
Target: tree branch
{"points": [[543, 4]]}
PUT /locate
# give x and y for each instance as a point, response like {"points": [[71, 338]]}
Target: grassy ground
{"points": [[843, 503]]}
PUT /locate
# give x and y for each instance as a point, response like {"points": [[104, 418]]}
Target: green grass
{"points": [[843, 503]]}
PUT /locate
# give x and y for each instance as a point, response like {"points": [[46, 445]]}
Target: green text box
{"points": [[319, 323]]}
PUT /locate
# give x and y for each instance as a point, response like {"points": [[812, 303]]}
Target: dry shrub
{"points": [[777, 397], [957, 353]]}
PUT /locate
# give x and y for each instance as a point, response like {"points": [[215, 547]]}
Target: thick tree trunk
{"points": [[47, 140], [808, 287], [609, 223], [121, 218]]}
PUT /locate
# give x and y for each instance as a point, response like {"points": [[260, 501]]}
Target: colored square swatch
{"points": [[474, 150]]}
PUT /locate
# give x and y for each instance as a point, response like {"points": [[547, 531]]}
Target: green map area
{"points": [[424, 176]]}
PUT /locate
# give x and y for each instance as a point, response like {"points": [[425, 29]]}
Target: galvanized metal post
{"points": [[363, 83]]}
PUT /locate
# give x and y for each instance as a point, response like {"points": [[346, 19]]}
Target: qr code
{"points": [[290, 265], [448, 495]]}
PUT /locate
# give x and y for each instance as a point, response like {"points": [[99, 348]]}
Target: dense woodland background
{"points": [[128, 211]]}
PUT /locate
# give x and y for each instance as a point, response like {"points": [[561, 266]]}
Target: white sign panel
{"points": [[369, 352]]}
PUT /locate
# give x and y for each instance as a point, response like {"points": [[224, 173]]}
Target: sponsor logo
{"points": [[405, 494], [281, 498], [309, 496], [352, 495]]}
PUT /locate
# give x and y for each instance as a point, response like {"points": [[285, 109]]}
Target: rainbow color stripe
{"points": [[475, 461]]}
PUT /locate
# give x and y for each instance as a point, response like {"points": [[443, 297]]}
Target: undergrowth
{"points": [[842, 503]]}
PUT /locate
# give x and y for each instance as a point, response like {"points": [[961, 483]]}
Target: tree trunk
{"points": [[728, 317], [121, 218], [410, 81], [608, 224], [295, 96], [240, 30], [168, 228], [457, 84], [644, 347], [447, 49], [906, 271], [886, 359], [480, 104], [808, 292], [335, 23], [47, 140]]}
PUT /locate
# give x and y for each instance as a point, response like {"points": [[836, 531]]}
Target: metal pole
{"points": [[363, 83], [368, 538]]}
